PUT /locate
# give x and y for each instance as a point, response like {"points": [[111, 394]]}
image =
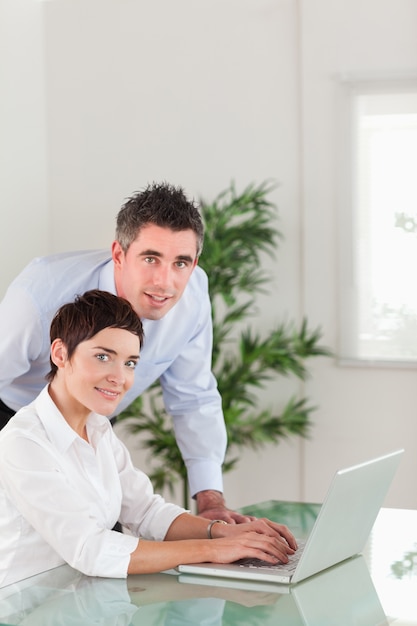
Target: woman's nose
{"points": [[117, 374]]}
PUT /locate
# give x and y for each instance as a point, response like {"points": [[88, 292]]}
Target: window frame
{"points": [[350, 87]]}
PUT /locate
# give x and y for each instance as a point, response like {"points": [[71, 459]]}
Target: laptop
{"points": [[340, 531]]}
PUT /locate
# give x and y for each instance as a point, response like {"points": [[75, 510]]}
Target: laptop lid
{"points": [[341, 529]]}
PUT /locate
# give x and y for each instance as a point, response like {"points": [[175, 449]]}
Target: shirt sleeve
{"points": [[192, 399], [22, 342], [143, 512]]}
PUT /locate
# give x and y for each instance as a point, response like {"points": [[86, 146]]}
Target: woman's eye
{"points": [[131, 364], [102, 357]]}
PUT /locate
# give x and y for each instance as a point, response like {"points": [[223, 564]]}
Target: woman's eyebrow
{"points": [[111, 351]]}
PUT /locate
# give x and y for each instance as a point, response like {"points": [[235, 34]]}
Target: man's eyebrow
{"points": [[150, 252], [110, 351], [185, 257], [180, 257]]}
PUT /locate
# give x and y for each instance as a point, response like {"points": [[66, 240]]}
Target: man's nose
{"points": [[162, 276]]}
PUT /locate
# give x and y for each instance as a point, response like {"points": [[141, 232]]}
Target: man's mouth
{"points": [[158, 298]]}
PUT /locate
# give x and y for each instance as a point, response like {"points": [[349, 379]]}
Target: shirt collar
{"points": [[106, 278], [57, 428]]}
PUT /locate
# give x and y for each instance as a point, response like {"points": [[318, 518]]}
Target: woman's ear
{"points": [[58, 353]]}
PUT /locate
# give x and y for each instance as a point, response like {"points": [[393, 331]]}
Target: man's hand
{"points": [[211, 504]]}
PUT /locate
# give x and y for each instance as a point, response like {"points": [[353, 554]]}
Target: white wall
{"points": [[24, 230], [363, 411], [200, 92]]}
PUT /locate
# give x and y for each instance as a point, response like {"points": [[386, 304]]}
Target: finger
{"points": [[277, 543], [284, 532], [273, 550], [238, 518], [265, 527], [289, 537]]}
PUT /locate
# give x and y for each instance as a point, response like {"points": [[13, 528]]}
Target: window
{"points": [[379, 225]]}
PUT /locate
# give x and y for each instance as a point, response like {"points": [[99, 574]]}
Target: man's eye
{"points": [[181, 264], [131, 364], [149, 259]]}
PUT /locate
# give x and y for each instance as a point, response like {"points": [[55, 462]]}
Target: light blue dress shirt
{"points": [[177, 349]]}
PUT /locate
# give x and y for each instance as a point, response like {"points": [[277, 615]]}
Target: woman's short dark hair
{"points": [[89, 314]]}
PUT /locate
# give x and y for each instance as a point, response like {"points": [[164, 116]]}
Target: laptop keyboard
{"points": [[259, 564]]}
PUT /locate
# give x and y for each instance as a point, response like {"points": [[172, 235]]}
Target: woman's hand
{"points": [[186, 542], [261, 539], [262, 525], [250, 545]]}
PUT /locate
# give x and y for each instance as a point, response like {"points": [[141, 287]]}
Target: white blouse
{"points": [[61, 496]]}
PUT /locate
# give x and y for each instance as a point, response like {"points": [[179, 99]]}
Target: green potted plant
{"points": [[239, 228]]}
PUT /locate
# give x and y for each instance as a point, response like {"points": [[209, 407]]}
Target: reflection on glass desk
{"points": [[378, 587]]}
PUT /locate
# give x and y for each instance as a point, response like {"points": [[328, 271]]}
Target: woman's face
{"points": [[101, 371]]}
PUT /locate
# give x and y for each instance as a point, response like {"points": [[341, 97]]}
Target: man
{"points": [[153, 264]]}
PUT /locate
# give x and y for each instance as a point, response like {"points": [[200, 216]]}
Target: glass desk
{"points": [[378, 587]]}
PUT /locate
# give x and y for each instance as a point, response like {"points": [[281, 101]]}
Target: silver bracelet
{"points": [[210, 526]]}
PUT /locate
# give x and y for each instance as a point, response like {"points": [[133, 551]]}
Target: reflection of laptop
{"points": [[340, 531], [343, 594]]}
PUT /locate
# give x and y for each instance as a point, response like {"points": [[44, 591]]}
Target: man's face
{"points": [[155, 270]]}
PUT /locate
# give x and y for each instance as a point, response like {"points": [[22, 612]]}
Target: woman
{"points": [[66, 479]]}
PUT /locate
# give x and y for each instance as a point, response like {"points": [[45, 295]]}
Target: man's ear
{"points": [[117, 253], [58, 353]]}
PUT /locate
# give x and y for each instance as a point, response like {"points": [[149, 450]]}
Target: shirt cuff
{"points": [[204, 475], [113, 560]]}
